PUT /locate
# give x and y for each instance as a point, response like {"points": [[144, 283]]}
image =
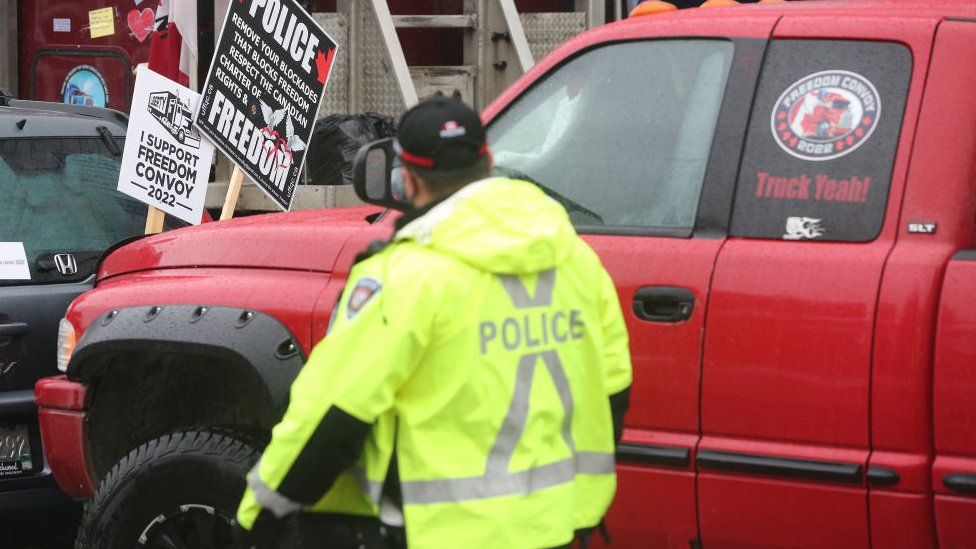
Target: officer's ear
{"points": [[411, 185]]}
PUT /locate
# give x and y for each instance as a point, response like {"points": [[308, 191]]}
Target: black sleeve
{"points": [[619, 403], [333, 447]]}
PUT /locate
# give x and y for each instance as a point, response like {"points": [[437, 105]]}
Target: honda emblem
{"points": [[66, 264]]}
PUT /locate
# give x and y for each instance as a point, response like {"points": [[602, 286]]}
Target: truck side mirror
{"points": [[373, 176]]}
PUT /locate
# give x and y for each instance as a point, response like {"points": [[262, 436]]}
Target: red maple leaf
{"points": [[322, 64]]}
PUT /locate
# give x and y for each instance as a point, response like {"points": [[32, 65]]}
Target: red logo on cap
{"points": [[452, 129]]}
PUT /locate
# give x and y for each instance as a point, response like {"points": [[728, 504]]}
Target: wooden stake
{"points": [[233, 192], [154, 220]]}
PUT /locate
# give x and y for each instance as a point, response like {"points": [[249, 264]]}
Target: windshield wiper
{"points": [[568, 203], [109, 140]]}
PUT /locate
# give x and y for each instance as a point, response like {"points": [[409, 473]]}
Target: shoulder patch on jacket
{"points": [[362, 294]]}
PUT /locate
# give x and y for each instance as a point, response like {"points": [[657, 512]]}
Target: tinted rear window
{"points": [[822, 141]]}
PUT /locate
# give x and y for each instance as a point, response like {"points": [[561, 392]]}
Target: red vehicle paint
{"points": [[820, 391]]}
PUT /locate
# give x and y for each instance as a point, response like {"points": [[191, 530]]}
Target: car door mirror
{"points": [[375, 174]]}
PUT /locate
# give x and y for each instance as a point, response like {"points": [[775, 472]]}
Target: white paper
{"points": [[165, 163], [13, 261], [62, 25]]}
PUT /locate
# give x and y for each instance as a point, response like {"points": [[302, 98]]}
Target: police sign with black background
{"points": [[263, 91]]}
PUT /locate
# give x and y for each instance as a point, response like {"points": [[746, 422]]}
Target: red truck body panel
{"points": [[212, 271], [666, 361], [850, 354], [939, 186], [247, 243], [63, 421], [791, 331], [955, 401]]}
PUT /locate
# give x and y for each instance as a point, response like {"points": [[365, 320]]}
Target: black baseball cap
{"points": [[441, 133]]}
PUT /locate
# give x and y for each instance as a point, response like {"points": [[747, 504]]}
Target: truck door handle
{"points": [[960, 482], [663, 303], [14, 329], [10, 330]]}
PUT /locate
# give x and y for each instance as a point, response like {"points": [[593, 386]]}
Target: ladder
{"points": [[499, 45]]}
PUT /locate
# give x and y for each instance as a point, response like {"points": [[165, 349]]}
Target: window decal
{"points": [[826, 115], [822, 140], [799, 228], [13, 261]]}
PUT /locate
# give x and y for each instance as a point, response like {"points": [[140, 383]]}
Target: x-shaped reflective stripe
{"points": [[497, 480]]}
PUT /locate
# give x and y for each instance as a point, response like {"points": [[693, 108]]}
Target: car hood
{"points": [[304, 241]]}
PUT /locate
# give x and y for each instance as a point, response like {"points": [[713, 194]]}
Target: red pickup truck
{"points": [[785, 196]]}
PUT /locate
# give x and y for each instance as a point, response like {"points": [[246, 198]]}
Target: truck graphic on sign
{"points": [[174, 114]]}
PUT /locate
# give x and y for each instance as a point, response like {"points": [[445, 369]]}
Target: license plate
{"points": [[15, 451]]}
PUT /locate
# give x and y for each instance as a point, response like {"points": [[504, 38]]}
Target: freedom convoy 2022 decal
{"points": [[263, 91], [826, 115], [822, 116]]}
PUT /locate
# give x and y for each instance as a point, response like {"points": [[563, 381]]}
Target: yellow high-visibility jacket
{"points": [[480, 347]]}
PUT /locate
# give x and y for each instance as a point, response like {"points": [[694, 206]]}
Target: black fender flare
{"points": [[252, 339]]}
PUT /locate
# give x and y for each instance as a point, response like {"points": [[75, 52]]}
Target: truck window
{"points": [[58, 196], [621, 134], [822, 140]]}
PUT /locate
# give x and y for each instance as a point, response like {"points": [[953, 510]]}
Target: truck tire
{"points": [[179, 490]]}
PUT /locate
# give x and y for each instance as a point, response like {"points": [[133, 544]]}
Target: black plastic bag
{"points": [[335, 141]]}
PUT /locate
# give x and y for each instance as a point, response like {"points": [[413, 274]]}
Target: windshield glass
{"points": [[58, 195], [620, 135]]}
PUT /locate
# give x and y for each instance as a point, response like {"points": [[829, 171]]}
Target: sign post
{"points": [[262, 93], [165, 163], [233, 192], [154, 220]]}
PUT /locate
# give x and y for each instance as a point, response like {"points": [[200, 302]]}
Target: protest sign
{"points": [[165, 163], [263, 91]]}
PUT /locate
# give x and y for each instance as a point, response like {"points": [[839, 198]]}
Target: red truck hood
{"points": [[306, 241]]}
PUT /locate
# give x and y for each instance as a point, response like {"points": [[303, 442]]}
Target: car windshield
{"points": [[619, 135], [58, 195]]}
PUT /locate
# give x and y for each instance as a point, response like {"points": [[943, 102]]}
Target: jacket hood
{"points": [[498, 225]]}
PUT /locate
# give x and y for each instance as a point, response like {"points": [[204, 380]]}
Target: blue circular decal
{"points": [[826, 115], [84, 86]]}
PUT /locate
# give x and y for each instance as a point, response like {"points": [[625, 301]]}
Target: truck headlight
{"points": [[67, 340]]}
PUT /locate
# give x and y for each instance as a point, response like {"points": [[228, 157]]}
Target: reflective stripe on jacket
{"points": [[484, 343]]}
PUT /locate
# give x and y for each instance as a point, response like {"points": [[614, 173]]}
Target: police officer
{"points": [[475, 377]]}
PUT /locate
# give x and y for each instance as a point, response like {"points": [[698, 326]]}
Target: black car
{"points": [[59, 167]]}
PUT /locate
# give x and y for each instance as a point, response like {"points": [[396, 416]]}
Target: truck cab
{"points": [[783, 194]]}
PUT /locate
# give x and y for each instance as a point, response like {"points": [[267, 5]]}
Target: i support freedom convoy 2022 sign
{"points": [[165, 163], [264, 89]]}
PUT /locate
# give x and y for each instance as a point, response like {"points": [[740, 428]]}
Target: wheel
{"points": [[182, 136], [177, 491]]}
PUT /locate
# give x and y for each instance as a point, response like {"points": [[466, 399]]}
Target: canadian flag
{"points": [[174, 39]]}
